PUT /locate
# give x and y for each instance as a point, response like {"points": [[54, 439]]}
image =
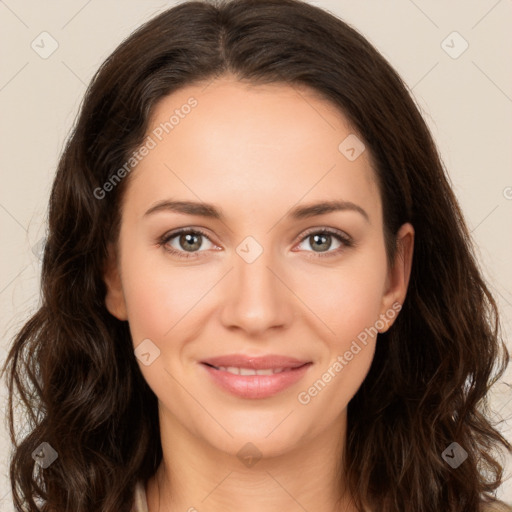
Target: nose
{"points": [[256, 296]]}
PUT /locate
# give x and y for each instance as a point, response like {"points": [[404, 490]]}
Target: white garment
{"points": [[140, 504]]}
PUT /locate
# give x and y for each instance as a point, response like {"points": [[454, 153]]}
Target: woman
{"points": [[259, 292]]}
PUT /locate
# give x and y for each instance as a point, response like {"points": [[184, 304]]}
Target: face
{"points": [[259, 278]]}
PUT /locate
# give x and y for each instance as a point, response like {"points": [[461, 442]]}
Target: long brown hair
{"points": [[73, 363]]}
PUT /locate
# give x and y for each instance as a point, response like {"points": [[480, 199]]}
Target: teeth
{"points": [[249, 371]]}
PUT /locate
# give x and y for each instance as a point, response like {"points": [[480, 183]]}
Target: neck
{"points": [[194, 476]]}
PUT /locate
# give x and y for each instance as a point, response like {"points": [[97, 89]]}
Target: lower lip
{"points": [[256, 386]]}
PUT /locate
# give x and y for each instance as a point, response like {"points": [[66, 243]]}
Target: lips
{"points": [[272, 362], [255, 376]]}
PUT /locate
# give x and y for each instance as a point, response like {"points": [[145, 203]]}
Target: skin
{"points": [[254, 152]]}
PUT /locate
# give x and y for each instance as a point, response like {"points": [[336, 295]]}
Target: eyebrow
{"points": [[296, 213]]}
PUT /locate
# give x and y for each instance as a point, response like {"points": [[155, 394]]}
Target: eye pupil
{"points": [[188, 238], [323, 239]]}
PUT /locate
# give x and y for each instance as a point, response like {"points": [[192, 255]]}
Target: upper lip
{"points": [[272, 361]]}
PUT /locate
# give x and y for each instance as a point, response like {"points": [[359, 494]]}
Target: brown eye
{"points": [[321, 241], [190, 241], [185, 243]]}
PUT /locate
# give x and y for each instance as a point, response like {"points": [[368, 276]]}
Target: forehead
{"points": [[228, 142]]}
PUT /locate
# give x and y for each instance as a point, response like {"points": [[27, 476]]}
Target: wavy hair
{"points": [[73, 363]]}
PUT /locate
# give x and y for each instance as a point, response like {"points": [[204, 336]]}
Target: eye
{"points": [[321, 241], [185, 242]]}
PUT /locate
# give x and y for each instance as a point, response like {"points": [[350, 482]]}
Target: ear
{"points": [[114, 298], [398, 276]]}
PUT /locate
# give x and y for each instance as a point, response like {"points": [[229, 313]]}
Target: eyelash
{"points": [[339, 235]]}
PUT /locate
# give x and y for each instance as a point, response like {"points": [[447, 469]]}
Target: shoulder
{"points": [[139, 501], [496, 507]]}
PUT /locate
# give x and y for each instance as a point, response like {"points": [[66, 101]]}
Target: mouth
{"points": [[238, 370], [255, 377]]}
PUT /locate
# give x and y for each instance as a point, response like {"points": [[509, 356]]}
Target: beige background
{"points": [[467, 102]]}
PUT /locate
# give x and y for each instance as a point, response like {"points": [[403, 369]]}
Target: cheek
{"points": [[351, 312], [331, 388], [161, 299], [348, 301], [346, 298], [164, 305]]}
